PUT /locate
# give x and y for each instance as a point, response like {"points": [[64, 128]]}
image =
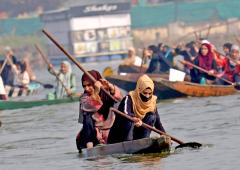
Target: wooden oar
{"points": [[205, 71], [182, 144], [53, 71], [74, 60], [45, 85], [208, 31], [143, 57]]}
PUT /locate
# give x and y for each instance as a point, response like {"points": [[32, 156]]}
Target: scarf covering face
{"points": [[206, 61], [141, 108]]}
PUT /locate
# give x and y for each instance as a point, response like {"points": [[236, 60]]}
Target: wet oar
{"points": [[53, 71], [45, 85], [205, 71], [74, 60], [182, 144]]}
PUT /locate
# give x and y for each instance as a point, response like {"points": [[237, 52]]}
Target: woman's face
{"points": [[204, 50], [226, 50], [88, 87], [64, 68], [235, 54], [146, 94]]}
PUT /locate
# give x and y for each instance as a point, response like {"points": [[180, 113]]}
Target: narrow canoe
{"points": [[11, 105], [131, 69], [198, 90], [145, 145], [128, 82]]}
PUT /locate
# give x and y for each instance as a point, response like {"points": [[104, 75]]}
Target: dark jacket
{"points": [[8, 74], [124, 129]]}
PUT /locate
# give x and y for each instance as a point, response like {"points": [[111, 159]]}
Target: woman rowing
{"points": [[22, 78], [94, 107], [231, 67], [205, 60], [140, 104], [9, 70], [132, 58], [235, 63], [67, 79]]}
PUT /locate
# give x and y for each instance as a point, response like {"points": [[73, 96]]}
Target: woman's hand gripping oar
{"points": [[74, 60], [53, 71], [182, 144], [205, 71]]}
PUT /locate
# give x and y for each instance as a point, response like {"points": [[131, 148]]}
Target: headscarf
{"points": [[141, 108], [87, 103], [94, 73], [206, 61], [66, 79], [67, 76], [131, 58]]}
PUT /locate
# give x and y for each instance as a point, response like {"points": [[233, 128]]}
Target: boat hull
{"points": [[131, 69], [11, 105], [128, 82], [145, 145], [198, 90]]}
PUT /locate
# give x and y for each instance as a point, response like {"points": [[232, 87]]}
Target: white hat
{"points": [[205, 42], [235, 47]]}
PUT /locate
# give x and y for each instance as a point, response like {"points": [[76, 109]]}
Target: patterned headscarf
{"points": [[94, 73]]}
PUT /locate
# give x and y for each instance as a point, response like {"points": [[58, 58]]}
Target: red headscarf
{"points": [[94, 73], [206, 61]]}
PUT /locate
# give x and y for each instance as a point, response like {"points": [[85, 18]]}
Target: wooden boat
{"points": [[198, 90], [128, 82], [145, 145], [131, 69], [11, 105]]}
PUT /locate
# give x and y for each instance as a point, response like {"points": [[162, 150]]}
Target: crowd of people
{"points": [[100, 125], [14, 72], [202, 53]]}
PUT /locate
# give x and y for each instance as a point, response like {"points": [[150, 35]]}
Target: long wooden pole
{"points": [[53, 71], [147, 126], [74, 60], [205, 71]]}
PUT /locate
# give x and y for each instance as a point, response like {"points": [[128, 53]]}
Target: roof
{"points": [[92, 2]]}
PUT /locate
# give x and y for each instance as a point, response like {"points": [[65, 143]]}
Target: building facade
{"points": [[90, 32]]}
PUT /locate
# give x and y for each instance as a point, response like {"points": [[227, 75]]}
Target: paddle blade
{"points": [[48, 86], [108, 71], [194, 145]]}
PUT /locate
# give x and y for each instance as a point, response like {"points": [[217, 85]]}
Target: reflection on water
{"points": [[44, 137]]}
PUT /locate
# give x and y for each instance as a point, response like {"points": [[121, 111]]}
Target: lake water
{"points": [[44, 137]]}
